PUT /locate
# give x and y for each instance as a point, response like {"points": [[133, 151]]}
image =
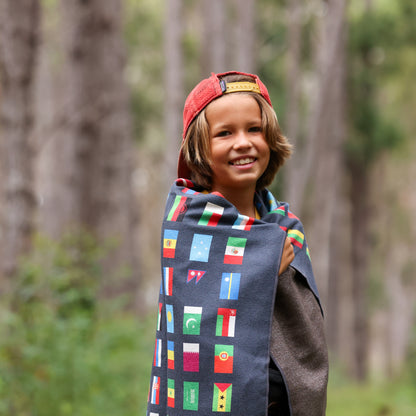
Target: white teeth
{"points": [[244, 161]]}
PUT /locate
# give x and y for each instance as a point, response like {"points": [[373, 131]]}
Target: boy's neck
{"points": [[242, 199]]}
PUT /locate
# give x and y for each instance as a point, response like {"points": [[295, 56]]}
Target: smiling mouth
{"points": [[244, 161]]}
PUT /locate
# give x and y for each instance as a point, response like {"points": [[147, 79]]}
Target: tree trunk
{"points": [[392, 324], [359, 252], [339, 305], [328, 170], [174, 89], [330, 41], [19, 23], [313, 176], [214, 37], [400, 317], [317, 163], [244, 36], [228, 36], [94, 150], [293, 78]]}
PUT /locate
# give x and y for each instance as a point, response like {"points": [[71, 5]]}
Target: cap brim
{"points": [[183, 170]]}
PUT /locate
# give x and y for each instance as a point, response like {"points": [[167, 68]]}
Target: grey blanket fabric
{"points": [[216, 308], [298, 345]]}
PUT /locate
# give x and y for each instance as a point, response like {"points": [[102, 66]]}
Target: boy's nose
{"points": [[242, 140]]}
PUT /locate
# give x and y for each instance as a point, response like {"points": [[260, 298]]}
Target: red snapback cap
{"points": [[208, 90]]}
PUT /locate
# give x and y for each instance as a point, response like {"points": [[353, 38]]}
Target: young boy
{"points": [[240, 326]]}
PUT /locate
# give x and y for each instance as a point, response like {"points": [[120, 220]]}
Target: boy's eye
{"points": [[223, 133], [255, 129]]}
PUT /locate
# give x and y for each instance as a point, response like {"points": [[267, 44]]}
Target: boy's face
{"points": [[239, 151]]}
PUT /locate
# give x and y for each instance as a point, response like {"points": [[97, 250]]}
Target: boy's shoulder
{"points": [[266, 203]]}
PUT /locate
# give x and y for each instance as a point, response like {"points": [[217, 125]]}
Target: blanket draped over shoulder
{"points": [[217, 295]]}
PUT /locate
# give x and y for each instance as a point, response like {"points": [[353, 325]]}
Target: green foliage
{"points": [[271, 58], [372, 35], [372, 133], [389, 399], [394, 397], [144, 39], [64, 351], [411, 355], [378, 41]]}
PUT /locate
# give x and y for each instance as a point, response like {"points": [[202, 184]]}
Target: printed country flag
{"points": [[189, 191], [154, 399], [224, 356], [201, 245], [225, 322], [292, 215], [157, 357], [211, 215], [171, 355], [296, 237], [230, 285], [159, 316], [234, 251], [190, 395], [169, 319], [221, 401], [190, 357], [281, 211], [243, 223], [178, 209], [168, 280], [170, 238], [192, 274], [272, 201], [171, 392], [192, 320]]}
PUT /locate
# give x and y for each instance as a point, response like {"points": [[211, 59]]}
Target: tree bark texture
{"points": [[244, 36], [93, 159], [228, 36], [359, 259], [330, 38], [293, 70], [314, 171], [214, 37], [313, 176], [19, 26], [174, 88], [391, 325], [326, 174]]}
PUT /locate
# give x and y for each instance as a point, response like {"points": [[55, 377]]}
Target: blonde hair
{"points": [[196, 147]]}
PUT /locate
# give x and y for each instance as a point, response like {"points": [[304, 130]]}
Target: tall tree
{"points": [[372, 134], [329, 39], [314, 176], [93, 150], [396, 315], [293, 77], [358, 168], [244, 36], [174, 83], [329, 135], [214, 37], [314, 169], [19, 30]]}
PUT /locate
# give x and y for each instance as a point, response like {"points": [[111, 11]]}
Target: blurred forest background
{"points": [[91, 96]]}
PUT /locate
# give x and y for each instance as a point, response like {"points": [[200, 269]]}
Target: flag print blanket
{"points": [[219, 278]]}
